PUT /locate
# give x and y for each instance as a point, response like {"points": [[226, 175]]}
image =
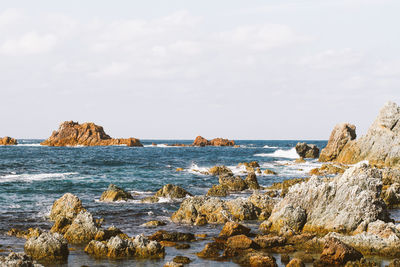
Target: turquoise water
{"points": [[33, 176]]}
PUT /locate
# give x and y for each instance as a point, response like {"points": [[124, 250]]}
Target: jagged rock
{"points": [[171, 236], [232, 183], [240, 242], [105, 234], [264, 203], [254, 258], [391, 195], [172, 191], [233, 228], [211, 251], [300, 160], [327, 169], [267, 241], [87, 134], [82, 230], [307, 150], [296, 263], [218, 191], [339, 205], [61, 225], [47, 247], [269, 172], [8, 141], [67, 206], [18, 260], [251, 181], [146, 248], [200, 141], [390, 175], [31, 232], [214, 210], [285, 185], [340, 136], [361, 263], [252, 164], [182, 259], [380, 146], [150, 199], [115, 193], [336, 252], [154, 223], [220, 170]]}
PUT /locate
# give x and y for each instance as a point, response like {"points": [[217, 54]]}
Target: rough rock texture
{"points": [[394, 263], [391, 195], [31, 232], [340, 205], [296, 263], [381, 145], [115, 193], [264, 203], [267, 241], [172, 236], [251, 181], [214, 210], [67, 206], [87, 134], [47, 247], [336, 252], [18, 260], [233, 228], [200, 141], [220, 170], [172, 191], [307, 150], [340, 136], [218, 191], [285, 185], [240, 242], [8, 141], [327, 169], [232, 183], [82, 230], [154, 223]]}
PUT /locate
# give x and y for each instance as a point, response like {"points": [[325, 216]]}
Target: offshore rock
{"points": [[218, 191], [201, 141], [305, 150], [172, 191], [233, 183], [67, 206], [31, 232], [336, 252], [18, 260], [87, 134], [8, 141], [340, 205], [233, 228], [47, 247], [172, 236], [340, 136], [154, 223], [115, 193], [220, 170], [82, 230], [105, 234], [251, 181]]}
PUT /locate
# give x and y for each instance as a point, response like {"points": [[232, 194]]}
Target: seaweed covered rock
{"points": [[172, 191], [305, 150], [8, 141], [87, 134], [83, 229], [115, 193], [340, 205], [47, 247], [18, 260], [31, 232]]}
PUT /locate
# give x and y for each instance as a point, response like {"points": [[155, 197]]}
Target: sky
{"points": [[180, 68]]}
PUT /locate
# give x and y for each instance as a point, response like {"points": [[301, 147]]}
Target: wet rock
{"points": [[327, 169], [391, 195], [267, 241], [264, 203], [232, 183], [154, 224], [220, 170], [362, 263], [105, 234], [31, 232], [251, 181], [8, 141], [173, 264], [296, 263], [182, 246], [67, 206], [285, 258], [182, 259], [47, 247], [255, 258], [200, 141], [172, 191], [307, 150], [210, 251], [218, 191], [179, 169], [240, 242], [18, 260], [82, 230], [269, 172], [340, 136], [339, 205], [303, 256], [146, 248], [233, 228], [87, 134], [171, 236], [300, 160], [252, 164], [151, 199], [115, 193], [336, 252]]}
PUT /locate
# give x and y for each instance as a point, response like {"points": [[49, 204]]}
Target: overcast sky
{"points": [[178, 69]]}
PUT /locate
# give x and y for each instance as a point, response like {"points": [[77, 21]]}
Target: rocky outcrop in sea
{"points": [[8, 141]]}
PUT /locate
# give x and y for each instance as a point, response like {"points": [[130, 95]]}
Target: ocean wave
{"points": [[267, 146], [35, 145], [280, 153], [26, 177], [196, 169], [158, 145]]}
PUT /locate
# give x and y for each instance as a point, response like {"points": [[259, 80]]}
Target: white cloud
{"points": [[29, 43], [9, 16], [114, 69]]}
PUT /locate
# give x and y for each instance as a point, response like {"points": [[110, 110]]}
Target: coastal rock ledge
{"points": [[72, 133]]}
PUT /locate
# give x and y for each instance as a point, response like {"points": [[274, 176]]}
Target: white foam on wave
{"points": [[35, 145], [267, 146], [290, 168], [280, 153], [195, 169], [26, 177]]}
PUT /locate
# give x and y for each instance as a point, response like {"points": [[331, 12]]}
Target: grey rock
{"points": [[47, 247], [18, 260], [341, 134], [307, 150]]}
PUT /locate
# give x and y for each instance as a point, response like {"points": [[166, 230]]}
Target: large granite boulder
{"points": [[381, 145], [115, 193], [343, 204], [307, 150], [67, 206], [87, 134], [8, 141], [18, 260], [47, 247]]}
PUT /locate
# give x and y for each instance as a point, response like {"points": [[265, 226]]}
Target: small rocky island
{"points": [[202, 142], [8, 141], [72, 133]]}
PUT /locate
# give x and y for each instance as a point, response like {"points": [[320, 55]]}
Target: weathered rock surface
{"points": [[47, 247], [267, 241], [340, 136], [87, 134], [8, 141], [220, 170], [327, 169], [285, 185], [296, 263], [200, 141], [82, 230], [115, 193], [233, 228], [264, 203], [391, 195], [18, 260], [154, 223], [381, 145], [233, 183], [31, 232], [336, 252], [218, 191], [67, 206], [251, 181], [172, 191], [340, 205], [305, 150], [172, 236]]}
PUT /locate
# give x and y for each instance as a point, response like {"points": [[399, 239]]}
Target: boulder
{"points": [[251, 181], [268, 241], [218, 191], [200, 141], [307, 150], [87, 134], [182, 259], [31, 232], [336, 252], [340, 205], [115, 193], [233, 183], [254, 258], [8, 141], [264, 203], [145, 248], [269, 172], [211, 251], [18, 260], [172, 236], [82, 230], [391, 195], [220, 170], [221, 142], [296, 263], [327, 169], [172, 191], [47, 247], [233, 228], [67, 206], [154, 223], [285, 185], [240, 242]]}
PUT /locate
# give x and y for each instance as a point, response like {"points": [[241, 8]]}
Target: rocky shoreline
{"points": [[338, 216]]}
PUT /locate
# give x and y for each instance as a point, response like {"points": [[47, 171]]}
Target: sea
{"points": [[32, 177]]}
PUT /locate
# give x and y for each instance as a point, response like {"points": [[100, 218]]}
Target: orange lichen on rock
{"points": [[8, 141]]}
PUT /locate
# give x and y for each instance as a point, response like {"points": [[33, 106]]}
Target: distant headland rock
{"points": [[380, 146], [201, 141], [8, 141], [72, 133]]}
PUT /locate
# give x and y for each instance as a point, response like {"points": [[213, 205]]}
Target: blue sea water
{"points": [[32, 177]]}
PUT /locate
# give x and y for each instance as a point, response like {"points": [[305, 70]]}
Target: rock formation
{"points": [[82, 229], [307, 150], [337, 253], [114, 193], [87, 134], [7, 141], [167, 191], [348, 202], [200, 141], [380, 146], [18, 260], [67, 206], [47, 247]]}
